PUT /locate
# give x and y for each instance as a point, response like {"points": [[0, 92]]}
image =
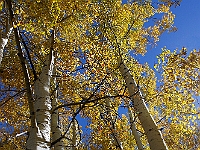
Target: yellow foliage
{"points": [[89, 36]]}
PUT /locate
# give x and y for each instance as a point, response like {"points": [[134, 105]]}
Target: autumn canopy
{"points": [[69, 78]]}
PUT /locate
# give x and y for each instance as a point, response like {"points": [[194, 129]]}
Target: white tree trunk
{"points": [[4, 36], [55, 128], [134, 131], [74, 142], [73, 135], [154, 136], [39, 136], [116, 140]]}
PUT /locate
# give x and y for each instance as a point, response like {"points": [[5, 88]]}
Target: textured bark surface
{"points": [[55, 128], [4, 35], [3, 42], [134, 131], [116, 140], [154, 136], [74, 142], [39, 137]]}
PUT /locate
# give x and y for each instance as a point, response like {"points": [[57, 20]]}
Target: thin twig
{"points": [[29, 57]]}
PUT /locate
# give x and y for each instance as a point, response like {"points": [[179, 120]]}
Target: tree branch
{"points": [[29, 57], [24, 69]]}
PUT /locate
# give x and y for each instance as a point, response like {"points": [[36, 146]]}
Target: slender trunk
{"points": [[26, 74], [4, 36], [39, 137], [55, 128], [3, 41], [114, 134], [154, 136], [74, 135], [134, 131]]}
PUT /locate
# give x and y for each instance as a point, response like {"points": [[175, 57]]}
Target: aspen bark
{"points": [[39, 137], [134, 131], [74, 135], [154, 136], [116, 140], [33, 130], [3, 41], [4, 35], [55, 128]]}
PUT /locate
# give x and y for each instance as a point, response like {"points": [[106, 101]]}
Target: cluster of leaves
{"points": [[180, 86], [89, 36]]}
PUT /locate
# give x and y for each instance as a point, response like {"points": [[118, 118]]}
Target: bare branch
{"points": [[24, 69]]}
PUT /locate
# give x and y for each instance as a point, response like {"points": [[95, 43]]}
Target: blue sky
{"points": [[188, 34], [187, 21]]}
